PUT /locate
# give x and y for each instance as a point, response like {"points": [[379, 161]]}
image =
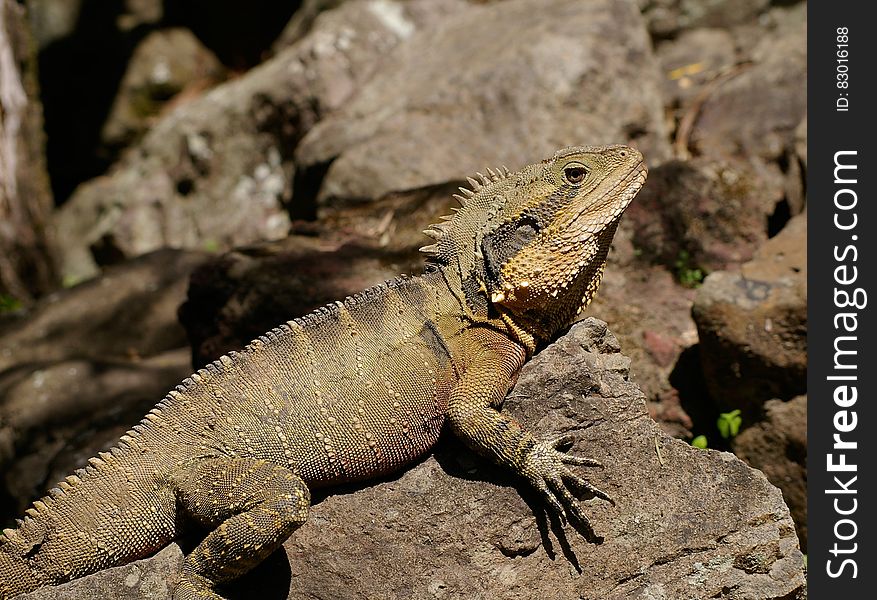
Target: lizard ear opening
{"points": [[503, 243]]}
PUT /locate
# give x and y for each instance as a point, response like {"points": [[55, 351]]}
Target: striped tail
{"points": [[110, 513]]}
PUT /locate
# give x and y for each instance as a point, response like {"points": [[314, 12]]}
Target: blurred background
{"points": [[179, 176]]}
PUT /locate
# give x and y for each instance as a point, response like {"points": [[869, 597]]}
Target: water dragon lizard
{"points": [[354, 390]]}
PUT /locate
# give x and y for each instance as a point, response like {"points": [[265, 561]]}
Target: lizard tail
{"points": [[92, 521], [15, 576]]}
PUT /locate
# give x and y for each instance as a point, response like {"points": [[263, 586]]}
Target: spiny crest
{"points": [[439, 230]]}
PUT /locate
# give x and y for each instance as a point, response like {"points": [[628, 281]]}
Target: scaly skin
{"points": [[353, 391]]}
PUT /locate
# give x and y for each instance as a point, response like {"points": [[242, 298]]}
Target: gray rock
{"points": [[217, 172], [753, 325], [164, 64], [688, 523], [84, 365], [777, 446], [667, 18], [585, 76], [694, 59], [755, 113]]}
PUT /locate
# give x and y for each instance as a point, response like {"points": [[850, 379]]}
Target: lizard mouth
{"points": [[622, 193]]}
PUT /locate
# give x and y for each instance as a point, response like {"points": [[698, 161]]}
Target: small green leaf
{"points": [[729, 423], [687, 273], [699, 442]]}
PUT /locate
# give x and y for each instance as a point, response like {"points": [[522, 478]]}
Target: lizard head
{"points": [[535, 242]]}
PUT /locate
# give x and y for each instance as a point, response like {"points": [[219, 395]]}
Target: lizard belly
{"points": [[375, 434]]}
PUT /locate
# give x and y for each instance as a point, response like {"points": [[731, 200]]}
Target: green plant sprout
{"points": [[729, 423]]}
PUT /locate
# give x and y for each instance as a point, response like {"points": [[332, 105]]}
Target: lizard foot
{"points": [[546, 469], [195, 587]]}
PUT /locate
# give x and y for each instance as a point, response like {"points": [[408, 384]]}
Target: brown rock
{"points": [[704, 214], [688, 523], [778, 447], [753, 324], [754, 114], [585, 76]]}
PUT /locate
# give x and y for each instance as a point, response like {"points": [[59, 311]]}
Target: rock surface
{"points": [[586, 75], [165, 63], [667, 18], [217, 172], [753, 324], [688, 523], [755, 112], [693, 59], [712, 213], [84, 365], [777, 446]]}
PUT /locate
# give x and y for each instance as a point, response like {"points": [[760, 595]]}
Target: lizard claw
{"points": [[545, 468], [563, 444]]}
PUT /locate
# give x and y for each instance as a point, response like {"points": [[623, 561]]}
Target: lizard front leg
{"points": [[474, 418]]}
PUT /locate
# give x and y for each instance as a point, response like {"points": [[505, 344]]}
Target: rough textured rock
{"points": [[84, 365], [777, 446], [217, 172], [585, 76], [755, 113], [714, 212], [651, 315], [753, 324], [668, 17], [694, 59], [688, 523], [165, 63], [26, 259]]}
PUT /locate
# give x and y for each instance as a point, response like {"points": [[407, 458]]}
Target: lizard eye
{"points": [[575, 174]]}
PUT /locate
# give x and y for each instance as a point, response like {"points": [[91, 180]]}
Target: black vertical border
{"points": [[831, 131]]}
